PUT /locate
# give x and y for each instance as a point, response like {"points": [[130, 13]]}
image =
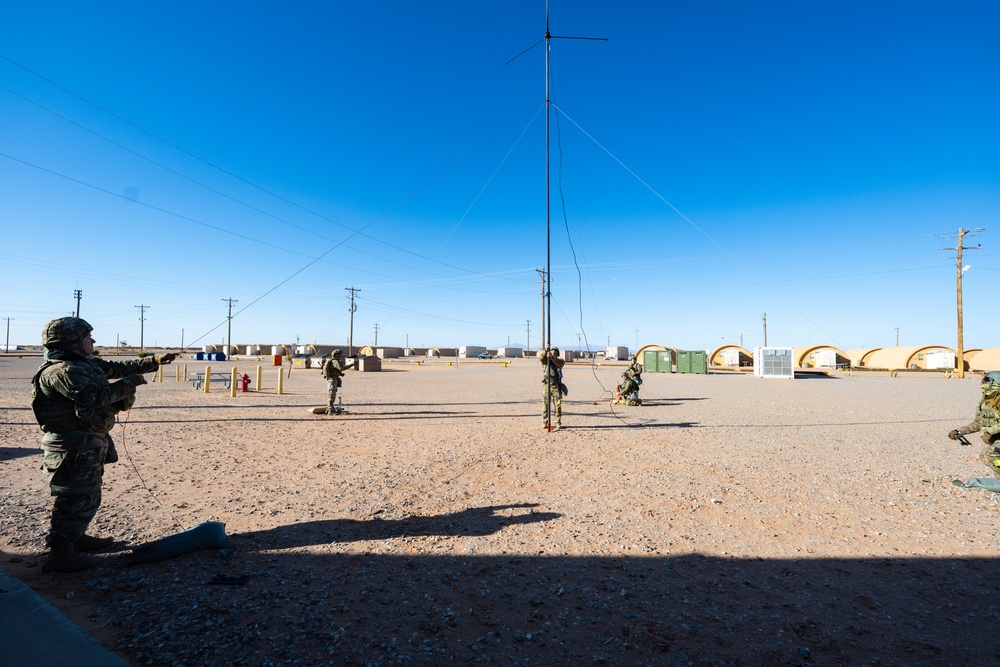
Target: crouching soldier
{"points": [[628, 390], [987, 422]]}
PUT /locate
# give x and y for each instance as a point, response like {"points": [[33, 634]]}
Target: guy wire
{"points": [[135, 468]]}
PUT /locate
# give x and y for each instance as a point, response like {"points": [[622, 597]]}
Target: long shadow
{"points": [[551, 609], [818, 375], [428, 414], [320, 399], [11, 453], [473, 522], [629, 425]]}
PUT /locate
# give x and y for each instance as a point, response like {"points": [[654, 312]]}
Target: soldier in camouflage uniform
{"points": [[553, 387], [628, 390], [333, 370], [987, 422], [75, 406]]}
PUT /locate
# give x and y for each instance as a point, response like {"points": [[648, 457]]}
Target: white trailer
{"points": [[618, 352], [470, 351], [773, 362]]}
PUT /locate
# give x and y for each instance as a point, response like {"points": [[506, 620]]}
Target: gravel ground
{"points": [[728, 520]]}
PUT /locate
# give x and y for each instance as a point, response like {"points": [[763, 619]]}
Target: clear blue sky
{"points": [[715, 161]]}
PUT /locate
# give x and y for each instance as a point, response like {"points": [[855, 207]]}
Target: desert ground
{"points": [[728, 520]]}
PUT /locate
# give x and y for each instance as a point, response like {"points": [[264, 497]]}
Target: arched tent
{"points": [[819, 356], [861, 356], [905, 357], [724, 356], [985, 360]]}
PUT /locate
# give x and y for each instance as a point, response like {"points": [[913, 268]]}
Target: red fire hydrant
{"points": [[245, 383]]}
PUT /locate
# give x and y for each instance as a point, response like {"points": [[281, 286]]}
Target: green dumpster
{"points": [[692, 361], [657, 361]]}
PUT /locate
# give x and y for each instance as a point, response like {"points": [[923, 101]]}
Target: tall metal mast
{"points": [[547, 275]]}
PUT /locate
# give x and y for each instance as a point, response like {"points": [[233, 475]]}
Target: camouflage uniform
{"points": [[987, 421], [629, 388], [333, 369], [76, 406], [552, 386]]}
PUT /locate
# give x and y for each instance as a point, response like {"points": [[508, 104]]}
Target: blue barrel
{"points": [[199, 356]]}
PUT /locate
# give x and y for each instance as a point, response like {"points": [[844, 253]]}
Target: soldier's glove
{"points": [[137, 379], [954, 435], [163, 359]]}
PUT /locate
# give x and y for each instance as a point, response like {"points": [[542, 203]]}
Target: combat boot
{"points": [[91, 543], [66, 559]]}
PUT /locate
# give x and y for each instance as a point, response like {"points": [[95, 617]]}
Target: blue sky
{"points": [[710, 163]]}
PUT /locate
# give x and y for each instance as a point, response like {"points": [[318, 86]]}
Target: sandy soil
{"points": [[728, 520]]}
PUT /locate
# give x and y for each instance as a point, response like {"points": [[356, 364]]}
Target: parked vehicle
{"points": [[485, 355]]}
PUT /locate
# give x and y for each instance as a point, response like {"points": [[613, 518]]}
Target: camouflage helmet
{"points": [[555, 351], [337, 353], [991, 380], [65, 332]]}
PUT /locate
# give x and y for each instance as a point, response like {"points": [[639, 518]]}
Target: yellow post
{"points": [[208, 378], [259, 376], [281, 382], [232, 383], [177, 372], [185, 372]]}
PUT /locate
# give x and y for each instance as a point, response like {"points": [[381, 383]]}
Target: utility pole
{"points": [[579, 346], [765, 329], [182, 340], [6, 346], [77, 293], [350, 340], [528, 326], [959, 271], [376, 334], [897, 336], [142, 328], [229, 330]]}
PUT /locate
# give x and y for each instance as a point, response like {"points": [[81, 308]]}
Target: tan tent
{"points": [[718, 357], [860, 357], [811, 356], [985, 360], [903, 357]]}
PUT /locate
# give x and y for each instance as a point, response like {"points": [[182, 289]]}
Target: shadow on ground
{"points": [[285, 605]]}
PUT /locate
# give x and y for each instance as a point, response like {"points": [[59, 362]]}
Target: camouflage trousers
{"points": [[556, 403], [331, 390], [74, 479]]}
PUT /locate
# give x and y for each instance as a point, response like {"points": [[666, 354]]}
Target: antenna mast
{"points": [[546, 343]]}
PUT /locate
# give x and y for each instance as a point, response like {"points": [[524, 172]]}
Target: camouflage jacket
{"points": [[73, 400], [555, 367], [332, 368], [634, 371], [987, 416]]}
